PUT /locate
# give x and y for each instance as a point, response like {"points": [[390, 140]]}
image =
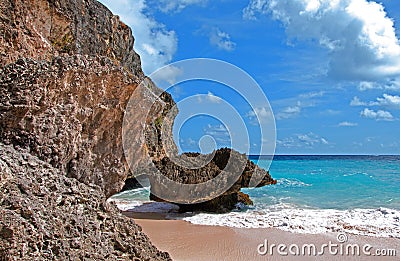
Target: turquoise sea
{"points": [[332, 182], [314, 194]]}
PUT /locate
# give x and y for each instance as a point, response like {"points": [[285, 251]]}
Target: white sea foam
{"points": [[155, 207], [292, 183], [380, 222], [137, 201], [129, 199]]}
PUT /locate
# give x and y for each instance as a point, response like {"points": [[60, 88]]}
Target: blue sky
{"points": [[330, 68]]}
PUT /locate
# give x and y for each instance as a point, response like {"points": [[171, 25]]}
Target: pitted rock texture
{"points": [[47, 216], [69, 113], [42, 29], [223, 162], [68, 70]]}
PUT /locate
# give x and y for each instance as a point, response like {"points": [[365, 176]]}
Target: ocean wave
{"points": [[380, 222], [130, 199], [292, 183], [126, 205]]}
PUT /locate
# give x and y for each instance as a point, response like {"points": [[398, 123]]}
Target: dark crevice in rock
{"points": [[130, 184]]}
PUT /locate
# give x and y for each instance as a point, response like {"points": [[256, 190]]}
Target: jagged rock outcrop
{"points": [[180, 168], [45, 216], [223, 161]]}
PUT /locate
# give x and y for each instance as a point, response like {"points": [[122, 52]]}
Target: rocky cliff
{"points": [[67, 70]]}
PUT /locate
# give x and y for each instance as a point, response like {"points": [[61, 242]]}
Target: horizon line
{"points": [[374, 155]]}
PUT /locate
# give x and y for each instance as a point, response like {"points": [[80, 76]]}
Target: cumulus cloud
{"points": [[388, 84], [357, 102], [388, 101], [155, 44], [222, 40], [260, 115], [176, 6], [358, 34], [289, 112], [209, 97], [379, 115], [309, 140], [347, 124], [212, 98]]}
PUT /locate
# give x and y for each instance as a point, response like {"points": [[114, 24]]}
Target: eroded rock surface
{"points": [[46, 216], [236, 167], [67, 71]]}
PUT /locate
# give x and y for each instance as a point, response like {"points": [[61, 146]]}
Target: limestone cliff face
{"points": [[43, 29], [68, 70]]}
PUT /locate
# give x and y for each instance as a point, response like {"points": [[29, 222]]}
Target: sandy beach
{"points": [[185, 241]]}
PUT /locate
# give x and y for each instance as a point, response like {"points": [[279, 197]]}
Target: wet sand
{"points": [[185, 241]]}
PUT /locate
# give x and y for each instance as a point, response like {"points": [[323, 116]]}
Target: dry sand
{"points": [[185, 241]]}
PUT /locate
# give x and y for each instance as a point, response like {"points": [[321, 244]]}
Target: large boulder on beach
{"points": [[170, 165], [218, 165]]}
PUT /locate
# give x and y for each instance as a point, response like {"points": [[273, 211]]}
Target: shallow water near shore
{"points": [[315, 194]]}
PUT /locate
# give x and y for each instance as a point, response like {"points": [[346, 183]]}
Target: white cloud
{"points": [[176, 6], [389, 84], [168, 74], [331, 112], [222, 40], [292, 107], [389, 101], [212, 98], [289, 112], [311, 95], [348, 124], [357, 102], [209, 97], [155, 44], [379, 115], [309, 140], [219, 133], [359, 36], [365, 86], [260, 115]]}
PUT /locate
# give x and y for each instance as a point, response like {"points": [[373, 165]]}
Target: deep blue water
{"points": [[331, 182]]}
